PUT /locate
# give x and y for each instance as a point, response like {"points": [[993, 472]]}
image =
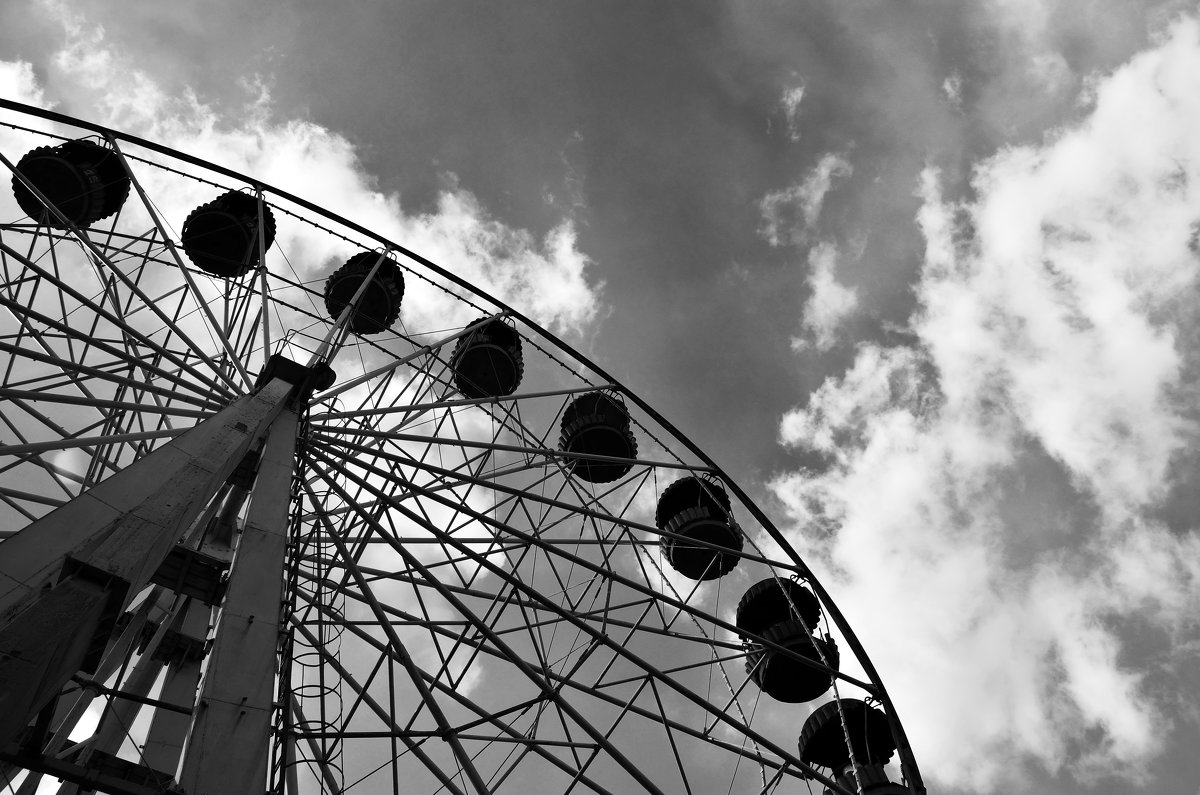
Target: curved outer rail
{"points": [[907, 762]]}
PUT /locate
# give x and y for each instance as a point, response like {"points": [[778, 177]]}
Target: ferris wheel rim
{"points": [[877, 688]]}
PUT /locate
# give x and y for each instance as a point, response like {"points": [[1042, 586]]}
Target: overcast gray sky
{"points": [[922, 276]]}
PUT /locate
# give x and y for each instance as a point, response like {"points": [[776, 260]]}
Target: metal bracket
{"points": [[307, 380], [191, 573]]}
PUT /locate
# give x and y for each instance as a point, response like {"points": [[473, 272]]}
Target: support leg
{"points": [[228, 748], [65, 578]]}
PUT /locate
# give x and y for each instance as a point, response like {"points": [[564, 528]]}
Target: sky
{"points": [[922, 277]]}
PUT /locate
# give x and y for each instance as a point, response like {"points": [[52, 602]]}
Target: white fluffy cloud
{"points": [[548, 279], [991, 505], [18, 83], [790, 215], [790, 104], [830, 302], [790, 218]]}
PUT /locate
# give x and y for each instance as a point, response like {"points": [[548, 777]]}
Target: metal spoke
{"points": [[440, 588], [215, 327]]}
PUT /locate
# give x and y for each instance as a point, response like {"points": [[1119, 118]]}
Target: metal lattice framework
{"points": [[222, 574]]}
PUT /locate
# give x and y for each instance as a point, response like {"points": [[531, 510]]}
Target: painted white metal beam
{"points": [[65, 577], [229, 744], [168, 730]]}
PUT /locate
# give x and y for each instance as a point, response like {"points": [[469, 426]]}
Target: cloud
{"points": [[830, 302], [991, 503], [952, 88], [1032, 30], [790, 103], [790, 218], [18, 83], [548, 278], [790, 215], [1027, 59]]}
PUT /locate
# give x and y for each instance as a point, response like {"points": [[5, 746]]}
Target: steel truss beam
{"points": [[599, 637], [450, 541], [529, 496], [508, 448]]}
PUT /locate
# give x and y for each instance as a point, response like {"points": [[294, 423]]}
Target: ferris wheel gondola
{"points": [[348, 523]]}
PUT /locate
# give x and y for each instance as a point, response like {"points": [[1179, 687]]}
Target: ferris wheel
{"points": [[288, 508]]}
